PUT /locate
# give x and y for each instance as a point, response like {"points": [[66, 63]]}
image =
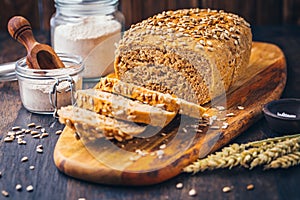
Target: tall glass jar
{"points": [[90, 29]]}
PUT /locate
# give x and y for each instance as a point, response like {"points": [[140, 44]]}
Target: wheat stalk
{"points": [[249, 155]]}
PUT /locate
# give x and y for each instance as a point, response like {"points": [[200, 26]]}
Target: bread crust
{"points": [[202, 49]]}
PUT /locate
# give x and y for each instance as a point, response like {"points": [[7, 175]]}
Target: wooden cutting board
{"points": [[162, 155]]}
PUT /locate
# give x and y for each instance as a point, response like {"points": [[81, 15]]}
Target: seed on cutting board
{"points": [[192, 192], [15, 128], [5, 193], [250, 187], [18, 187], [179, 185], [29, 188], [241, 107], [226, 189], [58, 132], [24, 159]]}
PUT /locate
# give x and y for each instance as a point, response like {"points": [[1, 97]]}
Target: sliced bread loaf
{"points": [[119, 107], [166, 101], [195, 54], [98, 126]]}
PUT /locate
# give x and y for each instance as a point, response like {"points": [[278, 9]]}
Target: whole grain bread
{"points": [[119, 107], [195, 54], [98, 125], [167, 102]]}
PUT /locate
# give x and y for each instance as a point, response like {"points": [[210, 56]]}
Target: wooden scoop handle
{"points": [[39, 56], [20, 29]]}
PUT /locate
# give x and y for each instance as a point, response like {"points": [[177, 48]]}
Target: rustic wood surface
{"points": [[49, 183], [100, 161]]}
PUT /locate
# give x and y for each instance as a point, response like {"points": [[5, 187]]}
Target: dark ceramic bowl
{"points": [[283, 115]]}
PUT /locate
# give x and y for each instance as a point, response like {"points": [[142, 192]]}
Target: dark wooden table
{"points": [[49, 183]]}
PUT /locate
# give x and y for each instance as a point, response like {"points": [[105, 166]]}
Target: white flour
{"points": [[35, 94], [94, 39]]}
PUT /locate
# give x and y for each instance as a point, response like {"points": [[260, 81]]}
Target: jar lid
{"points": [[74, 65]]}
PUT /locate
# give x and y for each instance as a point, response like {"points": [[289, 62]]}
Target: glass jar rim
{"points": [[75, 67]]}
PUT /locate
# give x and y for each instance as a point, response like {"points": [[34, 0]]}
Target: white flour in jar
{"points": [[93, 39], [35, 94]]}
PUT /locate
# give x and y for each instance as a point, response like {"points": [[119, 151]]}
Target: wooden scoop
{"points": [[39, 56]]}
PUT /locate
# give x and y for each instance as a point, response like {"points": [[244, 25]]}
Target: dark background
{"points": [[257, 12]]}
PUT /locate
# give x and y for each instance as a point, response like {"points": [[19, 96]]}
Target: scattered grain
{"points": [[43, 135], [31, 167], [5, 193], [240, 107], [24, 159], [58, 132], [18, 187], [230, 114], [38, 127], [250, 187], [30, 125], [192, 192], [179, 185], [8, 139], [34, 132], [163, 146], [226, 189], [15, 128], [43, 130], [29, 188]]}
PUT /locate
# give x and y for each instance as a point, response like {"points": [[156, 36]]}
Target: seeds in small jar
{"points": [[24, 159], [179, 185], [18, 187], [5, 193], [192, 192], [29, 188], [250, 187], [226, 189]]}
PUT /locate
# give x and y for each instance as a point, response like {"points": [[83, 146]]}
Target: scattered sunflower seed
{"points": [[179, 185], [192, 192], [11, 133], [29, 188], [226, 189], [58, 132], [39, 150], [43, 130], [8, 139], [31, 125], [24, 159], [20, 132], [5, 193], [34, 132], [15, 128], [38, 127], [43, 135], [36, 136], [31, 167], [27, 131], [18, 187], [250, 187]]}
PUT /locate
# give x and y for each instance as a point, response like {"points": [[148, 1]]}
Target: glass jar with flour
{"points": [[90, 29]]}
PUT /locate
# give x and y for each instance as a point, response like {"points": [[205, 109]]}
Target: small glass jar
{"points": [[89, 28], [45, 91]]}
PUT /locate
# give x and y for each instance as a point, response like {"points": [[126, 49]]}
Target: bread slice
{"points": [[195, 54], [98, 126], [166, 101], [119, 107]]}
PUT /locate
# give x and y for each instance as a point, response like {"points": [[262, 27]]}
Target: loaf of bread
{"points": [[166, 101], [119, 107], [195, 54], [98, 126]]}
